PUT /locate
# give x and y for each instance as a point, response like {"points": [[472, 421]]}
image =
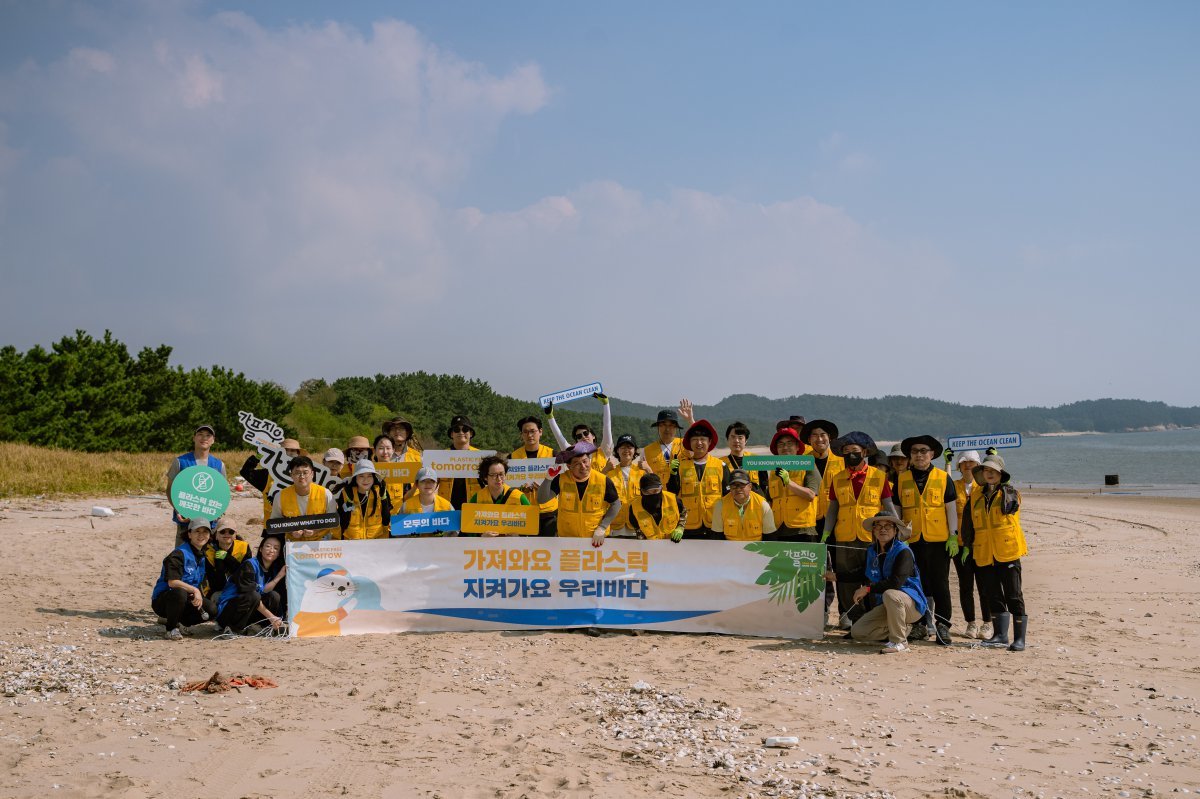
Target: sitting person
{"points": [[224, 556], [178, 596], [657, 514], [893, 590], [424, 498], [365, 508], [253, 591]]}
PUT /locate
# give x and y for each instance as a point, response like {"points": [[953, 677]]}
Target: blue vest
{"points": [[912, 586], [193, 571], [189, 459], [231, 589]]}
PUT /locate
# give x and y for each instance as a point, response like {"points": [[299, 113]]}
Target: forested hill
{"points": [[91, 394], [894, 417]]}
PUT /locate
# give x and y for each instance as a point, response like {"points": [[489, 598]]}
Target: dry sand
{"points": [[1103, 703]]}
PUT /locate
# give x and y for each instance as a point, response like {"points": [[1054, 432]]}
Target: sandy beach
{"points": [[1103, 703]]}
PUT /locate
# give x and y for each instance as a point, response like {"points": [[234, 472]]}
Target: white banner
{"points": [[530, 470], [450, 463], [401, 585]]}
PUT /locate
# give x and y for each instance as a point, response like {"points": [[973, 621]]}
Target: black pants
{"points": [[849, 565], [967, 580], [1002, 587], [176, 607], [933, 562], [243, 609], [548, 524], [784, 533], [829, 592], [702, 533]]}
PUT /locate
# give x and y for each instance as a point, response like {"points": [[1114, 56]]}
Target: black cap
{"points": [[625, 439], [739, 476], [460, 421], [667, 416], [649, 482]]}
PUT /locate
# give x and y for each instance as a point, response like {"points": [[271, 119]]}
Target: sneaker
{"points": [[890, 649], [845, 624], [972, 630], [942, 632], [986, 631], [919, 632], [185, 630], [173, 635]]}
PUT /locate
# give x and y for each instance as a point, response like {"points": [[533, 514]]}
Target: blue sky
{"points": [[980, 203]]}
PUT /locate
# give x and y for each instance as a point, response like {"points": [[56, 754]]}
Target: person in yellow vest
{"points": [[699, 480], [793, 493], [928, 503], [964, 567], [260, 478], [857, 493], [426, 499], [530, 429], [492, 473], [457, 489], [666, 449], [583, 432], [626, 475], [656, 514], [743, 514], [897, 462], [225, 553], [404, 446], [819, 434], [737, 435], [304, 498], [365, 504], [993, 535], [587, 500]]}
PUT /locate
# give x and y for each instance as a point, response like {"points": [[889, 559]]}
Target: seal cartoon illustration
{"points": [[327, 599]]}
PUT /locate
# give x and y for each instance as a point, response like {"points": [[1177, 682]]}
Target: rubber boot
{"points": [[999, 638], [1018, 644]]}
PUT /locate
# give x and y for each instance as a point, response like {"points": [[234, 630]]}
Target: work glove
{"points": [[220, 554], [966, 553], [952, 546], [824, 536], [677, 536], [782, 474], [549, 410], [674, 465], [992, 451], [598, 537], [602, 397]]}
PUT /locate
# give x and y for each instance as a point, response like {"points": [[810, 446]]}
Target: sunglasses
{"points": [[461, 429], [920, 450], [582, 434]]}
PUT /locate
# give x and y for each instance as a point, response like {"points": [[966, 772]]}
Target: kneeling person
{"points": [[178, 596], [252, 593], [656, 514], [893, 588]]}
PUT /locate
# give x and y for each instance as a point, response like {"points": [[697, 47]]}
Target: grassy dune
{"points": [[27, 471]]}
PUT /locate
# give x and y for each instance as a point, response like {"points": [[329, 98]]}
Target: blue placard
{"points": [[569, 394], [424, 523], [997, 440]]}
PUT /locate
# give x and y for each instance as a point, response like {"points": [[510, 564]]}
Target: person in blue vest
{"points": [[254, 593], [178, 596], [202, 442], [893, 590]]}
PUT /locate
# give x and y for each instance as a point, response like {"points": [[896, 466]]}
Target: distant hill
{"points": [[894, 417]]}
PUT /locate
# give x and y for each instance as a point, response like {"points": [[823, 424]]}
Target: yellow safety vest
{"points": [[666, 525], [791, 510], [655, 460], [728, 461], [744, 526], [924, 510], [960, 498], [998, 538], [627, 490], [510, 496], [542, 452], [578, 517], [289, 505], [833, 465], [359, 526], [853, 511], [699, 495]]}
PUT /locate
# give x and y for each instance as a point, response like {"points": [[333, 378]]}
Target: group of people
{"points": [[888, 567]]}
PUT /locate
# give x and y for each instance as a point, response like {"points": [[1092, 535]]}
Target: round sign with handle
{"points": [[200, 492]]}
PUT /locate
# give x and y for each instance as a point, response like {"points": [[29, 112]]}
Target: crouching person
{"points": [[894, 589], [253, 594], [178, 596]]}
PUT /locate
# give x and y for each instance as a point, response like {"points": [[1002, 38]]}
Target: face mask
{"points": [[853, 458], [652, 502]]}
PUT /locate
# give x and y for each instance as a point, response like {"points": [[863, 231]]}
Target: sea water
{"points": [[1160, 462]]}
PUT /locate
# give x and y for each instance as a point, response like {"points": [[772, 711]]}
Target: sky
{"points": [[981, 203]]}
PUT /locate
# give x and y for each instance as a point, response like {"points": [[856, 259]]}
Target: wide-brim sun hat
{"points": [[907, 444], [857, 437], [991, 462], [819, 424], [786, 432], [702, 427], [903, 528]]}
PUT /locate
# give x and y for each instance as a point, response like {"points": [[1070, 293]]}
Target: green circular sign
{"points": [[199, 491]]}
